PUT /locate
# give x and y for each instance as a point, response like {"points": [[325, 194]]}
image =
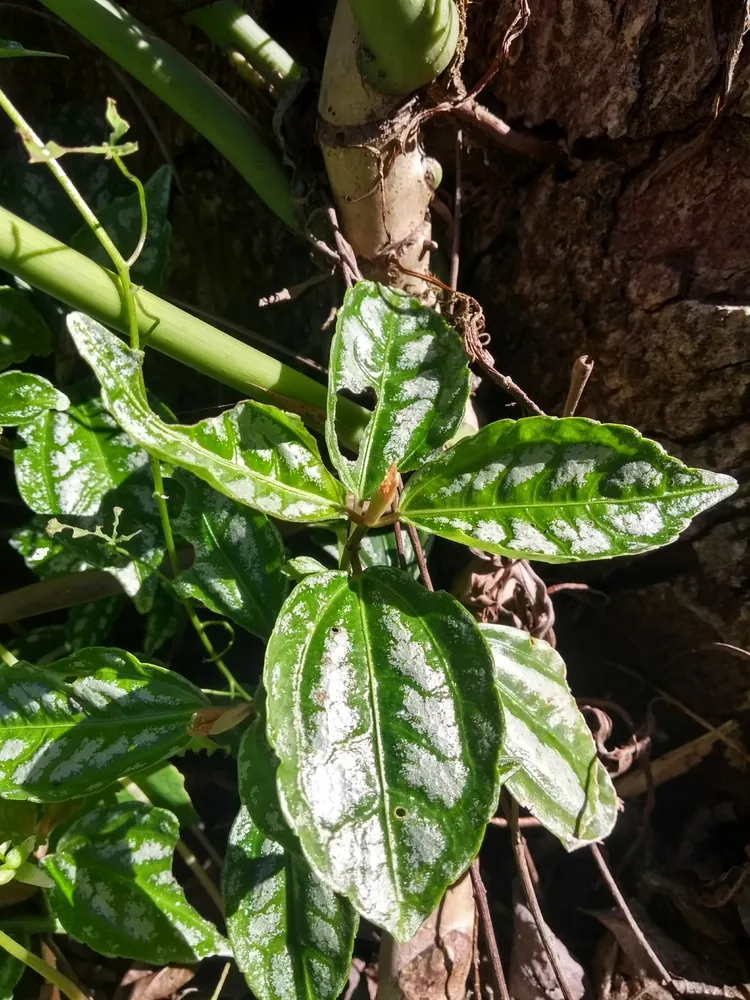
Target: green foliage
{"points": [[560, 779], [115, 891], [90, 624], [23, 332], [560, 491], [24, 397], [291, 935], [14, 50], [74, 727], [391, 343], [11, 969], [164, 786], [382, 710]]}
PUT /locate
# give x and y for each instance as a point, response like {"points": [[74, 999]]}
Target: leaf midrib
{"points": [[88, 723], [363, 459]]}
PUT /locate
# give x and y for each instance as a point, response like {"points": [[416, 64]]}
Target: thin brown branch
{"points": [[524, 822], [399, 536], [620, 900], [473, 113], [294, 291], [475, 958], [480, 895], [582, 369], [419, 552], [519, 852], [347, 257], [514, 31]]}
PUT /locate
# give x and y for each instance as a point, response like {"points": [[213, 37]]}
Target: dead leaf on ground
{"points": [[531, 974]]}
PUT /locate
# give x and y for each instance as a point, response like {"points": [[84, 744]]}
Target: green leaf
{"points": [[11, 969], [301, 566], [415, 363], [77, 467], [118, 125], [291, 935], [27, 397], [383, 712], [40, 645], [14, 50], [47, 557], [378, 548], [74, 727], [165, 787], [256, 775], [122, 221], [90, 624], [23, 332], [253, 453], [162, 621], [17, 820], [559, 490], [238, 557], [114, 888], [560, 781]]}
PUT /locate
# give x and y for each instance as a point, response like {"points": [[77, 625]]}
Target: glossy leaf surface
{"points": [[238, 557], [122, 220], [115, 891], [559, 490], [560, 781], [23, 331], [291, 935], [46, 556], [26, 397], [253, 453], [415, 363], [77, 725], [165, 787], [383, 712]]}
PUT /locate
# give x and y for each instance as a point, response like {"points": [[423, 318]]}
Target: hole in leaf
{"points": [[335, 629], [399, 812]]}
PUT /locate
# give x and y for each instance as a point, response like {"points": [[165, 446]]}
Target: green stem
{"points": [[234, 685], [45, 970], [189, 93], [67, 275], [231, 28], [7, 657]]}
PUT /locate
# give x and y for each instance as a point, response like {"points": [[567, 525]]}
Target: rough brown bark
{"points": [[639, 256]]}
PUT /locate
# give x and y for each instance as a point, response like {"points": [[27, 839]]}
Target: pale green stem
{"points": [[7, 657], [143, 207], [44, 969], [182, 86], [231, 28], [222, 979], [69, 276]]}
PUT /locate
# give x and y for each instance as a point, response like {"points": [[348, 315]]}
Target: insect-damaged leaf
{"points": [[253, 453], [25, 397], [382, 709], [560, 781], [23, 332], [238, 557], [115, 891], [291, 935], [122, 221], [77, 725], [415, 363], [559, 490]]}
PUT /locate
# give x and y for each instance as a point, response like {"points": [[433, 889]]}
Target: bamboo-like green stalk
{"points": [[232, 28], [182, 86], [45, 970], [67, 275]]}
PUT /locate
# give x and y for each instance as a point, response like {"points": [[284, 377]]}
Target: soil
{"points": [[635, 254]]}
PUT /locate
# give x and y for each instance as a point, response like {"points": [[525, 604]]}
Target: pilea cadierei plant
{"points": [[371, 756]]}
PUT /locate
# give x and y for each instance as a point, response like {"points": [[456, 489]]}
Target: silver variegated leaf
{"points": [[382, 710], [238, 557], [254, 454], [115, 891], [292, 936], [559, 490], [560, 780], [75, 726], [90, 624], [46, 556], [24, 397], [414, 361]]}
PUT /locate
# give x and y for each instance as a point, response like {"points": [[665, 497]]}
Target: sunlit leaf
{"points": [[256, 776], [238, 557], [90, 624], [253, 453], [14, 50], [23, 332], [291, 935], [77, 467], [415, 363], [165, 787], [46, 556], [302, 566], [115, 890], [560, 780], [122, 220], [27, 397], [74, 727], [383, 713], [560, 490]]}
